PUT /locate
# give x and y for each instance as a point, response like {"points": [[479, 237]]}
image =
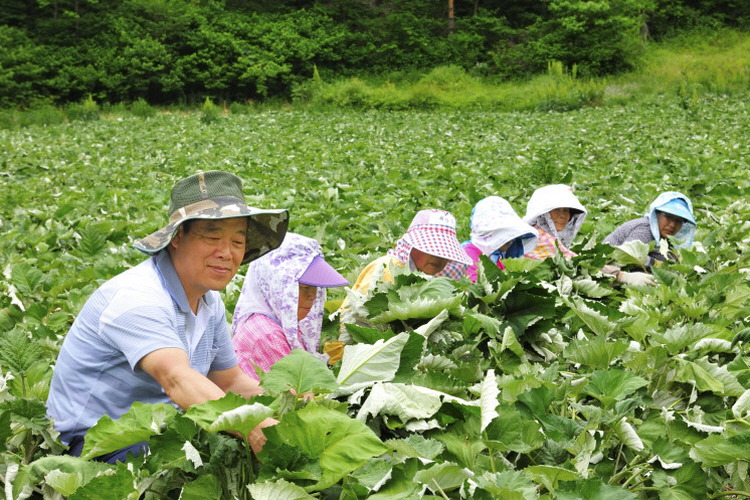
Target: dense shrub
{"points": [[170, 51]]}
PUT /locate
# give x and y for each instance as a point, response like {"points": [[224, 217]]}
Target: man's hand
{"points": [[636, 279], [256, 438]]}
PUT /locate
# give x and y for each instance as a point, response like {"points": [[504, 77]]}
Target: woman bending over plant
{"points": [[557, 215], [497, 232], [669, 222], [281, 304]]}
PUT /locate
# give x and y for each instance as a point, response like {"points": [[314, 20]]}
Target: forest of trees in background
{"points": [[181, 51]]}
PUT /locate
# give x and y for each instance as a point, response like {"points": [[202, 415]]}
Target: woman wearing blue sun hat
{"points": [[670, 218]]}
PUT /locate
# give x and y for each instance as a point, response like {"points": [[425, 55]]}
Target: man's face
{"points": [[427, 263], [669, 224], [208, 255]]}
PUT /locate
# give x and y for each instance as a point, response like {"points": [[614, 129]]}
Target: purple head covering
{"points": [[271, 288]]}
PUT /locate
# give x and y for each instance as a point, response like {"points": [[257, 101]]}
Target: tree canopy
{"points": [[166, 51]]}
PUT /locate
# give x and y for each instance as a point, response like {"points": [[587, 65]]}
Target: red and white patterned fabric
{"points": [[546, 247], [259, 340], [434, 232]]}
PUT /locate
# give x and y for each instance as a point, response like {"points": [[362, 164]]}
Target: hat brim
{"points": [[677, 209], [265, 229], [321, 274], [446, 247]]}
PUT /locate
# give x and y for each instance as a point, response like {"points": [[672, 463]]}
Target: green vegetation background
{"points": [[392, 54]]}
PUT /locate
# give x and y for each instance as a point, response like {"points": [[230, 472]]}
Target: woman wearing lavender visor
{"points": [[281, 304]]}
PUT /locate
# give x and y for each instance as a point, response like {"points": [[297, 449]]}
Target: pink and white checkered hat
{"points": [[434, 232]]}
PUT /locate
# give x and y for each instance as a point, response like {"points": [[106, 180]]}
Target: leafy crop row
{"points": [[544, 381]]}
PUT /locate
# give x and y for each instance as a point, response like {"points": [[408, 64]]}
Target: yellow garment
{"points": [[335, 351], [368, 277], [376, 271]]}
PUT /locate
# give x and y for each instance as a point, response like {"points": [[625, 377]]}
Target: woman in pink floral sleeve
{"points": [[281, 304]]}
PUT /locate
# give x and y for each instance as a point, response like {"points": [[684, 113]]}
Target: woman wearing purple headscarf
{"points": [[281, 304]]}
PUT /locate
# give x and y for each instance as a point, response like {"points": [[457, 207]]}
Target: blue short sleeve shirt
{"points": [[136, 312]]}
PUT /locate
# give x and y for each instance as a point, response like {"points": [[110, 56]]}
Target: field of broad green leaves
{"points": [[544, 381]]}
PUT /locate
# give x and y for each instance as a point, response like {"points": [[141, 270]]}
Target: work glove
{"points": [[636, 279]]}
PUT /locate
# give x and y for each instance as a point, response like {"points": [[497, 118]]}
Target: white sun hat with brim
{"points": [[494, 223], [548, 198]]}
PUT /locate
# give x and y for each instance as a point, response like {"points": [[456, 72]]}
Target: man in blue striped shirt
{"points": [[157, 333]]}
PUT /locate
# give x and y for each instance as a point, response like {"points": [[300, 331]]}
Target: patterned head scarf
{"points": [[548, 198], [271, 288], [434, 232], [494, 223], [677, 204]]}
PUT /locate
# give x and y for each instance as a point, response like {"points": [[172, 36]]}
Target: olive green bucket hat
{"points": [[218, 195]]}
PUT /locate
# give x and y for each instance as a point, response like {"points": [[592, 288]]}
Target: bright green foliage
{"points": [[546, 380], [340, 443], [140, 423], [301, 372], [178, 50]]}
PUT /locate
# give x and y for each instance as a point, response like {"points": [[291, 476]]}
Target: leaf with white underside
{"points": [[370, 363], [488, 399]]}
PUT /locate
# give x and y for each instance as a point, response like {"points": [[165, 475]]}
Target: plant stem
{"points": [[442, 493], [745, 494], [619, 454]]}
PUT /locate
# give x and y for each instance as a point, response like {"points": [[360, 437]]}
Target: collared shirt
{"points": [[136, 312]]}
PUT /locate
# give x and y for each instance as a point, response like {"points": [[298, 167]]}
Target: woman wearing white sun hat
{"points": [[558, 215], [497, 232]]}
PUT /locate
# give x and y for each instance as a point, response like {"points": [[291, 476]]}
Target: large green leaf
{"points": [[367, 364], [550, 476], [523, 307], [693, 373], [205, 486], [404, 401], [140, 423], [442, 477], [596, 321], [416, 446], [508, 485], [592, 489], [423, 299], [301, 372], [277, 490], [632, 252], [121, 484], [64, 473], [609, 386], [717, 450], [680, 337], [510, 431], [596, 353], [230, 413], [687, 483], [27, 280], [342, 444]]}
